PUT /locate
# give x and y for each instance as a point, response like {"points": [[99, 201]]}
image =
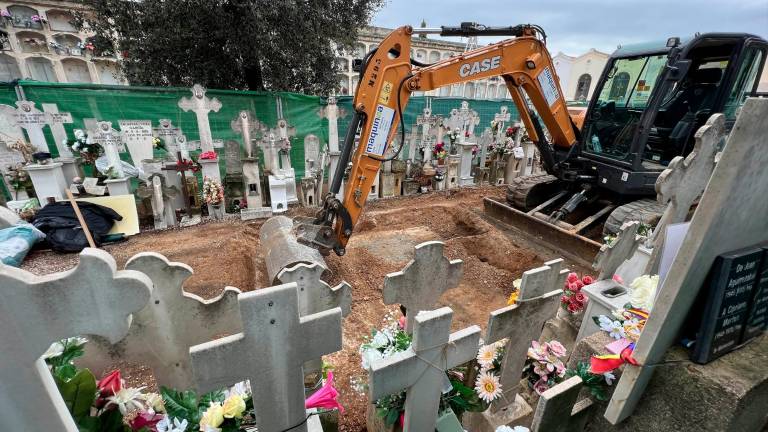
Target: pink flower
{"points": [[209, 155], [146, 420], [5, 13], [573, 286], [401, 322], [588, 280], [326, 397], [579, 284], [573, 307], [541, 386], [556, 348], [618, 279], [572, 277], [564, 299], [580, 297]]}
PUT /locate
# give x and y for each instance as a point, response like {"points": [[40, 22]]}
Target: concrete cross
{"points": [[315, 295], [729, 217], [110, 140], [33, 121], [284, 135], [413, 139], [558, 411], [201, 106], [311, 154], [332, 112], [270, 352], [422, 281], [610, 257], [522, 323], [170, 323], [420, 370], [245, 124], [683, 182], [269, 147], [502, 117], [485, 140], [57, 120], [167, 132], [91, 299]]}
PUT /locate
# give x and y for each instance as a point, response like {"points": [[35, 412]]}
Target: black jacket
{"points": [[62, 229]]}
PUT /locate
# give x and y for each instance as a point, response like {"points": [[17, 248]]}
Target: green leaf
{"points": [[89, 424], [596, 319], [181, 405], [79, 393], [111, 421], [391, 417]]}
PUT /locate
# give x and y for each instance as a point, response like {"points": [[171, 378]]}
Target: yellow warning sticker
{"points": [[386, 91]]}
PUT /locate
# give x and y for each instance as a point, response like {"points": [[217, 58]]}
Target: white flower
{"points": [[369, 356], [56, 349], [79, 134], [127, 399], [154, 402], [242, 389], [380, 340], [643, 291], [166, 425], [615, 329], [486, 355], [609, 377], [488, 387], [89, 140], [76, 146], [512, 429]]}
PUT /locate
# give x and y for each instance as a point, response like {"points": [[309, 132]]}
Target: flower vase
{"points": [[216, 211], [440, 162]]}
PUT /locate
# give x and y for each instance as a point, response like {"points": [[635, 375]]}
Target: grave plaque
{"points": [[137, 136], [725, 302], [757, 320]]}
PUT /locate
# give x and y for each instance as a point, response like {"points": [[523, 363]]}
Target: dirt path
{"points": [[228, 253]]}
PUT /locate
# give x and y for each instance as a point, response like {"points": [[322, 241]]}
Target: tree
{"points": [[287, 45]]}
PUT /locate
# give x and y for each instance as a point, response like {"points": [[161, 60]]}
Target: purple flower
{"points": [[5, 13], [35, 18], [557, 348]]}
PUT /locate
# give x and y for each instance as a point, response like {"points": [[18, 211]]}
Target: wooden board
{"points": [[125, 206]]}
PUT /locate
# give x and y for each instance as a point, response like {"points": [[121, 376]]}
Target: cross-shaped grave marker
{"points": [[522, 323], [610, 257], [332, 112], [501, 117], [170, 323], [56, 123], [181, 167], [421, 368], [558, 411], [315, 295], [270, 352], [422, 281], [32, 120], [167, 132], [109, 138], [245, 124], [201, 105], [93, 298], [464, 119], [683, 182]]}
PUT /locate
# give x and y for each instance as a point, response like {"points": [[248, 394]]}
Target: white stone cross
{"points": [[284, 135], [315, 295], [270, 352], [167, 132], [502, 117], [245, 124], [32, 120], [170, 323], [485, 140], [464, 119], [201, 106], [35, 311], [558, 411], [110, 140], [56, 123], [523, 321], [610, 257], [729, 216], [332, 112], [421, 368], [422, 281], [683, 182]]}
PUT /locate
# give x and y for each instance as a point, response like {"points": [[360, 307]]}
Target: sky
{"points": [[575, 26]]}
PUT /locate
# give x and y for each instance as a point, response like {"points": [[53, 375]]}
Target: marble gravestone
{"points": [[270, 352], [39, 310], [110, 139], [724, 221], [9, 133], [422, 281], [612, 256], [167, 132], [32, 120], [137, 137], [56, 121], [519, 324], [558, 411], [172, 321], [420, 370], [201, 105]]}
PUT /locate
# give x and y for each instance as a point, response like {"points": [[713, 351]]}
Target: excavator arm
{"points": [[387, 79]]}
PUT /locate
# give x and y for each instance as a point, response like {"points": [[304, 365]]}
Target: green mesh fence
{"points": [[113, 103]]}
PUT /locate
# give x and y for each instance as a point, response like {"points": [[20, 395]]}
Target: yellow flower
{"points": [[234, 406], [513, 297], [155, 401], [213, 417]]}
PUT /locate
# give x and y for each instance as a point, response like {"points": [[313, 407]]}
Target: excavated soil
{"points": [[227, 253]]}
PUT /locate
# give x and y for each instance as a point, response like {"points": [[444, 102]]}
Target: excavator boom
{"points": [[389, 76]]}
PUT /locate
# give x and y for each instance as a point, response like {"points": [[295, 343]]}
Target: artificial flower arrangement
{"points": [[85, 146], [209, 155], [643, 230], [18, 178], [107, 405], [158, 144], [544, 366], [213, 192], [573, 299], [392, 339], [453, 135], [439, 152], [23, 147]]}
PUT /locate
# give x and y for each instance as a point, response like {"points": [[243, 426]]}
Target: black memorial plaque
{"points": [[729, 291], [757, 320]]}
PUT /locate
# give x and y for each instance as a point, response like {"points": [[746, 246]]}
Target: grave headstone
{"points": [[612, 256], [56, 123], [109, 138], [10, 132], [48, 181], [137, 137], [161, 197], [167, 132], [274, 344], [501, 117], [757, 319], [724, 221], [201, 105], [172, 321], [232, 157], [36, 311], [465, 164], [558, 411], [423, 280], [420, 370], [332, 112], [246, 124], [32, 120]]}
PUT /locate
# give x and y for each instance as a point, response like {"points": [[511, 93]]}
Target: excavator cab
{"points": [[650, 100]]}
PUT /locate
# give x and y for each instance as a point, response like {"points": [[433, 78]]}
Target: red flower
{"points": [[209, 155], [110, 384], [564, 299], [587, 280], [580, 284], [573, 307], [146, 420], [574, 287], [580, 297], [572, 277]]}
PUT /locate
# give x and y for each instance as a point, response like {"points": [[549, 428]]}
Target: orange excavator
{"points": [[647, 105]]}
